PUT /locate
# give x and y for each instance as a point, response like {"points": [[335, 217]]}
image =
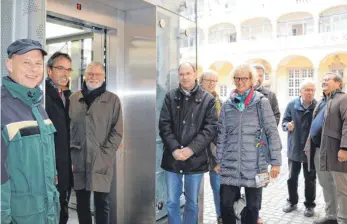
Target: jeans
{"points": [[102, 207], [310, 184], [230, 194], [174, 185], [214, 181]]}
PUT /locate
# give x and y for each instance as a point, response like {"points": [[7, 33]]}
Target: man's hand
{"points": [[290, 126], [275, 171], [217, 168], [187, 153], [307, 153], [342, 155], [56, 180], [177, 154]]}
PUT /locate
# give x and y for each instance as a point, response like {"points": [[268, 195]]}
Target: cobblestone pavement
{"points": [[274, 198]]}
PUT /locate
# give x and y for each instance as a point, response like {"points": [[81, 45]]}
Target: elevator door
{"points": [[84, 45]]}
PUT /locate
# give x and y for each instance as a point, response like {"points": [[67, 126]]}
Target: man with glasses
{"points": [[297, 122], [327, 147], [96, 133], [208, 81], [57, 107]]}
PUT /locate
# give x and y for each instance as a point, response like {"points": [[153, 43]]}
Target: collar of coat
{"points": [[103, 98], [197, 92], [333, 94], [52, 91], [300, 107]]}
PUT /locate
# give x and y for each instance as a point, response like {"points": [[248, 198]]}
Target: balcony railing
{"points": [[275, 44]]}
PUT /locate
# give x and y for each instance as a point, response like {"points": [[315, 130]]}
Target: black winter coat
{"points": [[187, 121], [59, 115]]}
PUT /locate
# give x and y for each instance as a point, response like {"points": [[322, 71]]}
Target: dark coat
{"points": [[187, 122], [302, 123], [334, 133], [271, 96], [59, 115]]}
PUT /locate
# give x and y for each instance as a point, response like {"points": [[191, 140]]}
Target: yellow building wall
{"points": [[281, 79]]}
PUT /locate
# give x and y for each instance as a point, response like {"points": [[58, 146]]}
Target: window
{"points": [[338, 71], [295, 76], [223, 33], [223, 90]]}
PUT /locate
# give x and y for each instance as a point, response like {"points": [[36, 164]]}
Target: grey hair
{"points": [[96, 63], [337, 78], [306, 82], [246, 68], [51, 61], [259, 66], [187, 63], [207, 73]]}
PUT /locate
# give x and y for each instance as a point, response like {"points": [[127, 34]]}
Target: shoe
{"points": [[219, 220], [309, 212], [324, 220], [260, 221], [290, 208]]}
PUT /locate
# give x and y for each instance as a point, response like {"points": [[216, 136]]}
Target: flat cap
{"points": [[23, 46]]}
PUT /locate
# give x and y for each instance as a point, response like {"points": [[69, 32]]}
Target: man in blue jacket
{"points": [[297, 122], [28, 172]]}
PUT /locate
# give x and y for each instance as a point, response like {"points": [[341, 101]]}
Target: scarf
{"points": [[187, 92], [30, 96], [242, 101], [218, 103], [90, 96]]}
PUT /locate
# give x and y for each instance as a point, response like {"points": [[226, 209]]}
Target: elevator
{"points": [[141, 43]]}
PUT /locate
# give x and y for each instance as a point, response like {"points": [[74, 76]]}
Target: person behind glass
{"points": [[239, 156], [271, 96], [208, 81], [187, 126], [331, 84], [57, 107], [96, 133], [297, 121], [28, 171]]}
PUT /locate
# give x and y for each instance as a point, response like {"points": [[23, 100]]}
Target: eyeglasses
{"points": [[211, 81], [243, 79], [327, 80], [94, 74], [61, 69]]}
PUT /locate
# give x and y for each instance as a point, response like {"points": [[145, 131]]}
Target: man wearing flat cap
{"points": [[28, 171]]}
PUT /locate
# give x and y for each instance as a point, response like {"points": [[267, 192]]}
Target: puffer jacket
{"points": [[237, 139], [187, 121]]}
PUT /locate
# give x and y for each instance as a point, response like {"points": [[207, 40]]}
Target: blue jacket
{"points": [[28, 191], [302, 123]]}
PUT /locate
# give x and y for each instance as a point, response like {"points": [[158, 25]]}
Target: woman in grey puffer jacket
{"points": [[240, 154]]}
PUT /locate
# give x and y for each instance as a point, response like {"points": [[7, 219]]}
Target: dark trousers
{"points": [[230, 194], [102, 207], [64, 206], [310, 184]]}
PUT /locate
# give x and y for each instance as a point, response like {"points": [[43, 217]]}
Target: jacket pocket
{"points": [[103, 161]]}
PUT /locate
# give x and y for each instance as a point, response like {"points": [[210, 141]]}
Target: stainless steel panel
{"points": [[139, 99]]}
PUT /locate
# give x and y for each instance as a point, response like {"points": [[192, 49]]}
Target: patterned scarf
{"points": [[218, 103], [242, 101]]}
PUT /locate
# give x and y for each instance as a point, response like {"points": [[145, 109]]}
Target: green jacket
{"points": [[28, 191]]}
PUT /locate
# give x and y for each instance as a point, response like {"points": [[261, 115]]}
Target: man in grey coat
{"points": [[297, 121], [96, 133], [330, 84], [333, 154]]}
